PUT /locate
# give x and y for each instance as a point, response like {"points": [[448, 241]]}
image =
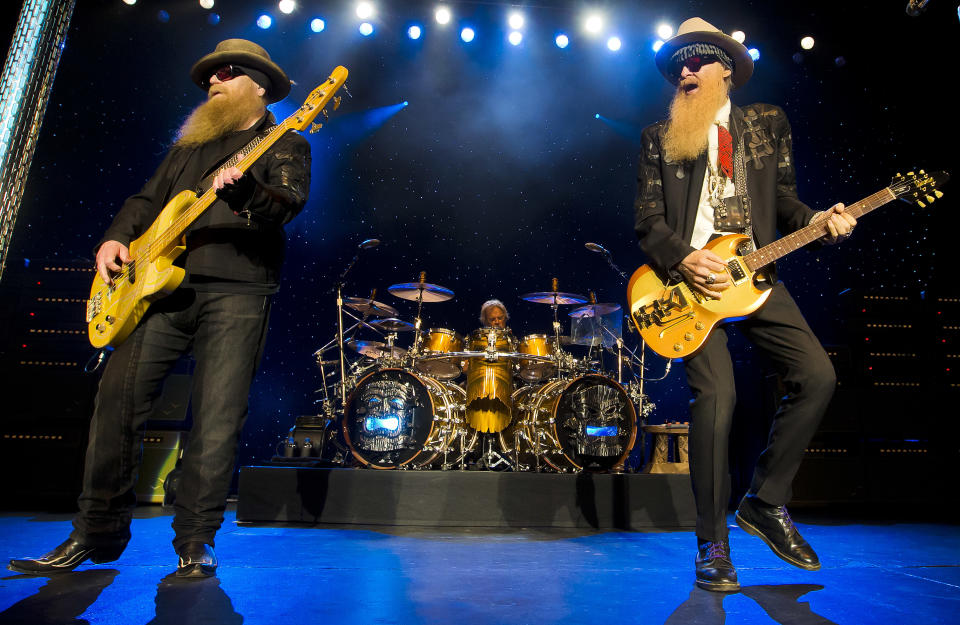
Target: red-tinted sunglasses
{"points": [[228, 72], [694, 63]]}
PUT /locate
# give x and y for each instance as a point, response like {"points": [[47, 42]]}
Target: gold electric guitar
{"points": [[114, 311], [675, 320]]}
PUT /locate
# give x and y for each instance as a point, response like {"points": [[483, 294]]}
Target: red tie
{"points": [[725, 151]]}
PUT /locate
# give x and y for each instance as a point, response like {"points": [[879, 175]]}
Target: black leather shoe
{"points": [[773, 525], [196, 560], [715, 571], [68, 556]]}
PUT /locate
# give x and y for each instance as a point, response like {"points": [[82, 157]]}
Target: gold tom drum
{"points": [[395, 418], [588, 423], [441, 341], [536, 345], [490, 384]]}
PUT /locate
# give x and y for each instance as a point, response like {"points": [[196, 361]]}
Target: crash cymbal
{"points": [[411, 291], [554, 297], [594, 310], [393, 324], [375, 349], [370, 307]]}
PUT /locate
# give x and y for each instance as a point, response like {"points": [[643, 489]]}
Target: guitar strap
{"points": [[207, 182]]}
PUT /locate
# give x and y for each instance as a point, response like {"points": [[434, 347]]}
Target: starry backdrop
{"points": [[497, 171]]}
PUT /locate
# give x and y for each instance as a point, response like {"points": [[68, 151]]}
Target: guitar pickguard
{"points": [[664, 311]]}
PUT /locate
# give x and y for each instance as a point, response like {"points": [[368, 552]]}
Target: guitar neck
{"points": [[810, 233]]}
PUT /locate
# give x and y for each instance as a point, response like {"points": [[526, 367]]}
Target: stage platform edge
{"points": [[288, 494]]}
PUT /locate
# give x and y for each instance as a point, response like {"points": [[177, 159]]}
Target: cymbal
{"points": [[412, 290], [375, 349], [594, 310], [392, 324], [551, 297], [370, 306]]}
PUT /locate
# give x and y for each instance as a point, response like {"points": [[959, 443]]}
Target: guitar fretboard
{"points": [[207, 182], [810, 233]]}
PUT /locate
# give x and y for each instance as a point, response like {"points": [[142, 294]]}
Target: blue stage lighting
{"points": [[754, 54], [317, 25], [366, 29], [213, 19], [163, 16], [657, 45], [414, 32], [390, 423], [264, 21], [405, 103], [614, 43], [597, 116], [467, 35], [601, 430], [562, 41], [515, 37]]}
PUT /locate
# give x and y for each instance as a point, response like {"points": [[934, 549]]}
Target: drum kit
{"points": [[522, 404]]}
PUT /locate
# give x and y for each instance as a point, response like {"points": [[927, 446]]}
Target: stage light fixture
{"points": [[664, 31], [414, 32], [130, 2], [366, 29], [657, 45], [364, 10], [807, 43], [317, 25], [515, 21], [596, 116], [467, 34], [163, 16], [562, 41], [593, 23], [739, 36], [287, 6], [442, 15], [515, 37], [213, 19], [206, 4], [614, 44], [754, 54], [264, 21]]}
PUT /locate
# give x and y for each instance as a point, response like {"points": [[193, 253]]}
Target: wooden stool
{"points": [[666, 438]]}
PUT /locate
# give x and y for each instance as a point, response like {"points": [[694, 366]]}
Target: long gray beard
{"points": [[690, 121]]}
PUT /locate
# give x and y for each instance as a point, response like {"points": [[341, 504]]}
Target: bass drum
{"points": [[584, 424], [396, 419]]}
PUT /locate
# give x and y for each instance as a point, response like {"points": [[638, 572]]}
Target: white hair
{"points": [[490, 303]]}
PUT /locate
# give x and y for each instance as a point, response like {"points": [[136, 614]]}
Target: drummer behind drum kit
{"points": [[526, 404]]}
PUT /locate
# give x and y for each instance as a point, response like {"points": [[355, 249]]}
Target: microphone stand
{"points": [[343, 364]]}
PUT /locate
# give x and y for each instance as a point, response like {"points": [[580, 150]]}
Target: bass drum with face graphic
{"points": [[587, 423], [396, 419]]}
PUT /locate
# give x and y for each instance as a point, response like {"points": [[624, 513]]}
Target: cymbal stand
{"points": [[340, 282]]}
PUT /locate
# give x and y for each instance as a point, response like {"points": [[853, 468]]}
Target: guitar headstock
{"points": [[919, 187], [316, 103]]}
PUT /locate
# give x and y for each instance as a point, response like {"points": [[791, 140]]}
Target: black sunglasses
{"points": [[694, 63], [227, 72]]}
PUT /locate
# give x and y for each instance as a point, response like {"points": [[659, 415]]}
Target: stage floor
{"points": [[874, 572]]}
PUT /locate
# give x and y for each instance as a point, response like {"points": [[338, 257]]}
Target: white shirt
{"points": [[703, 227]]}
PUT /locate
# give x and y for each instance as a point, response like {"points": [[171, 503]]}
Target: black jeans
{"points": [[780, 331], [226, 332]]}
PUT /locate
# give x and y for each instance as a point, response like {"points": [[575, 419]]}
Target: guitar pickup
{"points": [[661, 311], [737, 273]]}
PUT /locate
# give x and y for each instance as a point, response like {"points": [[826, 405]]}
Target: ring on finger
{"points": [[711, 278]]}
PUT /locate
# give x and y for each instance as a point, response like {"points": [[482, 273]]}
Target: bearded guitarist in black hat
{"points": [[713, 168], [219, 313]]}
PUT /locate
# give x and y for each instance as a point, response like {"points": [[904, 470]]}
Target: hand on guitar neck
{"points": [[839, 224], [706, 272], [107, 257]]}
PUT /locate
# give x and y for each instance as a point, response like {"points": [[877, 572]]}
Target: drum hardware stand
{"points": [[364, 245], [490, 457]]}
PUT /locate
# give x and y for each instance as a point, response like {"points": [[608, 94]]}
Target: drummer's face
{"points": [[496, 317]]}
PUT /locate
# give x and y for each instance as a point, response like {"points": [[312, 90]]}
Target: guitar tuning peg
{"points": [[938, 194], [911, 174], [315, 127], [922, 173], [336, 102], [930, 199], [920, 203], [898, 175]]}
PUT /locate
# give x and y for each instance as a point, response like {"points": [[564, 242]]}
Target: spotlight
{"points": [[206, 4], [515, 20], [467, 35], [264, 21], [405, 103], [317, 25], [366, 29], [664, 31], [130, 2], [163, 16], [807, 43], [657, 45], [562, 41], [287, 6], [364, 10], [442, 15], [213, 19], [414, 32], [515, 37], [593, 24], [614, 43], [739, 36], [754, 54], [596, 116]]}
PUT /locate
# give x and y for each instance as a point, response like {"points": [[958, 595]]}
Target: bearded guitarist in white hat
{"points": [[219, 312], [713, 168]]}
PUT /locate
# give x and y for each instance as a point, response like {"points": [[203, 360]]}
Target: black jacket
{"points": [[668, 193], [222, 244]]}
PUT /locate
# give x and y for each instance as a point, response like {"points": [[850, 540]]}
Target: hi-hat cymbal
{"points": [[554, 297], [412, 291], [594, 310], [392, 324], [369, 306], [375, 349]]}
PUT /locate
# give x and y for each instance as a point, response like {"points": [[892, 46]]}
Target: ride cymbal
{"points": [[594, 310], [370, 307], [393, 324], [412, 291], [553, 297]]}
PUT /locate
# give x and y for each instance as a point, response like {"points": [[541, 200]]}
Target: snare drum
{"points": [[490, 384], [441, 341], [534, 370]]}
